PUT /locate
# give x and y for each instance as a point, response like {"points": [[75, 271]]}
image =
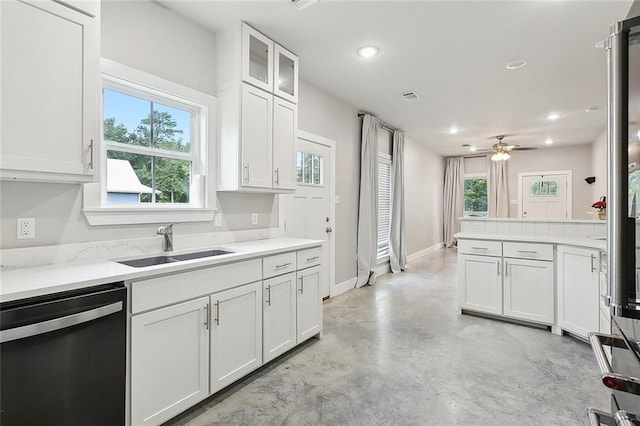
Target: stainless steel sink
{"points": [[159, 260]]}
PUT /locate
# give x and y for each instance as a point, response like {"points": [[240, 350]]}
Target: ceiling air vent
{"points": [[410, 96]]}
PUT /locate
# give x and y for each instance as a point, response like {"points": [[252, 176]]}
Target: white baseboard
{"points": [[417, 255], [383, 269], [343, 287]]}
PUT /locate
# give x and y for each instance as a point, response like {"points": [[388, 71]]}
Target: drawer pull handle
{"points": [[479, 248], [528, 251], [609, 378], [311, 259], [283, 265]]}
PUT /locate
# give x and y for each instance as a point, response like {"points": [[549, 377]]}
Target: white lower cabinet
{"points": [[279, 315], [480, 283], [236, 334], [169, 361], [528, 290], [578, 290], [309, 304], [518, 285]]}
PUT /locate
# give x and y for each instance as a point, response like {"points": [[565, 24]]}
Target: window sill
{"points": [[122, 216]]}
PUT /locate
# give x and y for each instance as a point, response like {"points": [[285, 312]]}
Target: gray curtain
{"points": [[497, 189], [368, 207], [453, 198], [397, 248]]}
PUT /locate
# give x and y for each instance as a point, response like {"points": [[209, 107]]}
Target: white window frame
{"points": [[201, 206], [384, 159], [474, 176]]}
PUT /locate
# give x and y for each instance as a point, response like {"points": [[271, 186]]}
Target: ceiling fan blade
{"points": [[524, 148]]}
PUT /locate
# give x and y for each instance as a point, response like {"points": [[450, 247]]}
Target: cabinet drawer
{"points": [[528, 251], [278, 264], [308, 258], [481, 247]]}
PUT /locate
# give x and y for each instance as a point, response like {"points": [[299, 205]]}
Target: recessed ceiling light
{"points": [[514, 65], [473, 148], [368, 51], [592, 108], [549, 141], [453, 130], [553, 116]]}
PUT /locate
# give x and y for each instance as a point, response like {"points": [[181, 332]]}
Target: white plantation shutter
{"points": [[384, 206]]}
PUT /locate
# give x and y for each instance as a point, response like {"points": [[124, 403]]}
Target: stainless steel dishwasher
{"points": [[63, 358]]}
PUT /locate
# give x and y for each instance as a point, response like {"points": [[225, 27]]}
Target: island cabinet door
{"points": [[236, 334], [529, 290], [578, 290], [480, 283], [169, 361]]}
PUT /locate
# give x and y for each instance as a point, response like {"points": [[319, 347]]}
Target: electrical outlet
{"points": [[254, 218], [217, 219], [26, 228]]}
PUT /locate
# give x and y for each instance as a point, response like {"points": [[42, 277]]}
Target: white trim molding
{"points": [[422, 253], [343, 287]]}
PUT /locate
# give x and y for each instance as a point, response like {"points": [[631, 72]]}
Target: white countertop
{"points": [[595, 243], [34, 281]]}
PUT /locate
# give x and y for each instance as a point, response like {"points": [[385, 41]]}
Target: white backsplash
{"points": [[576, 229], [114, 249]]}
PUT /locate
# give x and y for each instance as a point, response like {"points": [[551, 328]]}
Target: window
{"points": [[384, 206], [308, 169], [475, 195], [156, 164], [544, 188]]}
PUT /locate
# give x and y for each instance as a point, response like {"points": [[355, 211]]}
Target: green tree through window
{"points": [[475, 196]]}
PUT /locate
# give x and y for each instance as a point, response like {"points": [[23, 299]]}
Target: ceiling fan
{"points": [[501, 149]]}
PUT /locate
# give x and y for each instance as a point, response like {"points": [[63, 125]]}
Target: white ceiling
{"points": [[453, 54]]}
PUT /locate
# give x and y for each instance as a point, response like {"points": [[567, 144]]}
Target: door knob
{"points": [[328, 229]]}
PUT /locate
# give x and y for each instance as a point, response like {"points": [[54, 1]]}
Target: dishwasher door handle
{"points": [[58, 323]]}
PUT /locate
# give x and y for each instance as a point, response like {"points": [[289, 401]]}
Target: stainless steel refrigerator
{"points": [[618, 354]]}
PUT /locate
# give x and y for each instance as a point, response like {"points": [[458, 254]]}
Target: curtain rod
{"points": [[382, 124]]}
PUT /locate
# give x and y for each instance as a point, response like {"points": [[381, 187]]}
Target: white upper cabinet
{"points": [[258, 93], [257, 59], [50, 90], [285, 74]]}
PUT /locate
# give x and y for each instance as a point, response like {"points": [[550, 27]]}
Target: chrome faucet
{"points": [[167, 231]]}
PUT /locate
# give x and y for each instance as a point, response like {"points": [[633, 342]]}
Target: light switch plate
{"points": [[254, 218]]}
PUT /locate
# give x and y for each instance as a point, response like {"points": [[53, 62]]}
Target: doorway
{"points": [[544, 195], [310, 211]]}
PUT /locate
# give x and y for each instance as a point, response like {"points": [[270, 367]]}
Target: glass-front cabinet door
{"points": [[257, 59], [286, 74]]}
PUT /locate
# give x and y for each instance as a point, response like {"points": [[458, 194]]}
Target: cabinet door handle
{"points": [[217, 319], [91, 155], [592, 263], [245, 173], [277, 172], [206, 317], [498, 266], [269, 295], [506, 268], [302, 285]]}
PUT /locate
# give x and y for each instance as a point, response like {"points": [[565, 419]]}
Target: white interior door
{"points": [[309, 212], [545, 195]]}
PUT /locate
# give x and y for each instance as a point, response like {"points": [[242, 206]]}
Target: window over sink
{"points": [[156, 152]]}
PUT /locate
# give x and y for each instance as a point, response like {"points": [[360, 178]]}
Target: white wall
{"points": [[599, 167], [424, 186]]}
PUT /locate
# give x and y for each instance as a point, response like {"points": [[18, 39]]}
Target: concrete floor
{"points": [[399, 353]]}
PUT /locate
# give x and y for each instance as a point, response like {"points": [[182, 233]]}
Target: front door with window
{"points": [[545, 195], [308, 212]]}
